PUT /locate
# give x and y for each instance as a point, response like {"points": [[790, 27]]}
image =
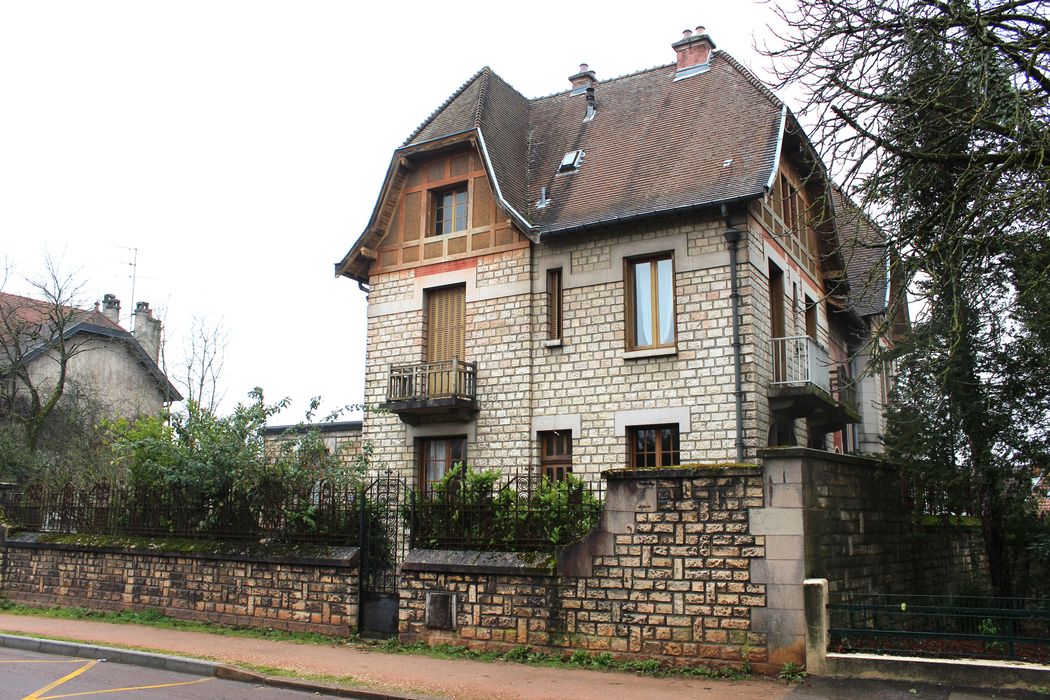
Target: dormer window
{"points": [[450, 210], [571, 162]]}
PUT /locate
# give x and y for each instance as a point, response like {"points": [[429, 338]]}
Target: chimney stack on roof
{"points": [[694, 52], [147, 330], [111, 308], [582, 80]]}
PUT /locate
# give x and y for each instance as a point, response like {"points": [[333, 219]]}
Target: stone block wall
{"points": [[860, 535], [666, 575], [299, 595]]}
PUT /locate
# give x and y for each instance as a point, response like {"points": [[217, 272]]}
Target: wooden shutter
{"points": [[446, 318], [554, 313]]}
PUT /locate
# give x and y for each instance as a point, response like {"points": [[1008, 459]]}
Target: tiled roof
{"points": [[36, 311], [863, 248], [28, 312], [654, 145]]}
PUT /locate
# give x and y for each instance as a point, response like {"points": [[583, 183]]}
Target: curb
{"points": [[195, 667]]}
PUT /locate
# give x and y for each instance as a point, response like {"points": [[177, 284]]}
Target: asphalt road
{"points": [[26, 675]]}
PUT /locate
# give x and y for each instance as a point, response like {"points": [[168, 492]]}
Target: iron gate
{"points": [[384, 537]]}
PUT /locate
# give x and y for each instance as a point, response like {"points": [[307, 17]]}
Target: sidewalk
{"points": [[416, 674]]}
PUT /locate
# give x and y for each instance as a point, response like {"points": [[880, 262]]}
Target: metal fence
{"points": [[322, 513], [526, 513], [943, 626]]}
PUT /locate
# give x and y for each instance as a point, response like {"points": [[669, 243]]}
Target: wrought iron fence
{"points": [[526, 513], [321, 513], [957, 626]]}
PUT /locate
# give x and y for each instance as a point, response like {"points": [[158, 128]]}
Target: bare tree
{"points": [[37, 347], [203, 364]]}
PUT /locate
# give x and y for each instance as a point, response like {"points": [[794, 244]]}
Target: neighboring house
{"points": [[115, 368], [551, 281], [341, 436]]}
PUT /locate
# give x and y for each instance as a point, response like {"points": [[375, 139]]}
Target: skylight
{"points": [[570, 161]]}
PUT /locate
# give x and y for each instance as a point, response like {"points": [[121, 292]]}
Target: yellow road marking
{"points": [[37, 695], [123, 690]]}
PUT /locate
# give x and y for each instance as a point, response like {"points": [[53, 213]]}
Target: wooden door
{"points": [[446, 318]]}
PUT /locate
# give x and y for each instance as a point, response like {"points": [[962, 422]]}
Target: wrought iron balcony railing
{"points": [[798, 360]]}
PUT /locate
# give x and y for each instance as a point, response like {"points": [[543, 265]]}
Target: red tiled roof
{"points": [[37, 311]]}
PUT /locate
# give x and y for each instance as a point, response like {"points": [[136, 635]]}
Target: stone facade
{"points": [[587, 381], [667, 576], [294, 594]]}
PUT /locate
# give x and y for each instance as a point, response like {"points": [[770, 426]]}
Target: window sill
{"points": [[554, 343], [649, 352]]}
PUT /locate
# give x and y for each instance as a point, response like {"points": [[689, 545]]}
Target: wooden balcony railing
{"points": [[447, 379], [843, 387]]}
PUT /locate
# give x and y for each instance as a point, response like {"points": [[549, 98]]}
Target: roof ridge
{"points": [[441, 108], [603, 82], [483, 89], [751, 77]]}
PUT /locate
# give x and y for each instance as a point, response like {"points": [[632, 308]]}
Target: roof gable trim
{"points": [[779, 148], [526, 227]]}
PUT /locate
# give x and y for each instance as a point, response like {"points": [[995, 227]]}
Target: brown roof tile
{"points": [[655, 144], [863, 248]]}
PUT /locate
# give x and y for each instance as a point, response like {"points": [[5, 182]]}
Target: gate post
{"points": [[816, 600]]}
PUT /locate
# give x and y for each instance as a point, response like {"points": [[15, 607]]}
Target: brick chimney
{"points": [[694, 53], [111, 308], [583, 80], [147, 330]]}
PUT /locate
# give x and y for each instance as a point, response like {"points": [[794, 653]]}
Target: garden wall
{"points": [[294, 594], [667, 575], [695, 565], [859, 534]]}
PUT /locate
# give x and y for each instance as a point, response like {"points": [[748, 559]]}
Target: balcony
{"points": [[806, 385], [429, 391]]}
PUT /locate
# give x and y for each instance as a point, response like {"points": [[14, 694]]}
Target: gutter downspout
{"points": [[733, 237]]}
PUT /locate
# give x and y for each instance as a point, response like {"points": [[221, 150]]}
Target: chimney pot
{"points": [[147, 330], [694, 52], [582, 80], [111, 307]]}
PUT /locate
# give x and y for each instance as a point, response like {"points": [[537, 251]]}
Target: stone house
{"points": [[115, 368], [650, 270]]}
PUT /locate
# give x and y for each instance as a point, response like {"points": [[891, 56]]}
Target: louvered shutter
{"points": [[446, 317]]}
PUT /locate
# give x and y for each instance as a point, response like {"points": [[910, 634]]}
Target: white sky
{"points": [[240, 146]]}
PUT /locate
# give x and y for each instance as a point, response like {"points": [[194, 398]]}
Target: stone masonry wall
{"points": [[860, 536], [666, 575], [302, 595]]}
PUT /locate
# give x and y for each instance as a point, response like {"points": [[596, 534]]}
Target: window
{"points": [[450, 210], [650, 303], [811, 318], [554, 304], [437, 456], [571, 162], [653, 446], [556, 454]]}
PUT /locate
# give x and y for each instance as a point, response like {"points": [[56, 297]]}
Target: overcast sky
{"points": [[240, 147]]}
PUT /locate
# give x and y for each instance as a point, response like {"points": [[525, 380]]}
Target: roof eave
{"points": [[343, 267], [616, 220], [167, 389]]}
